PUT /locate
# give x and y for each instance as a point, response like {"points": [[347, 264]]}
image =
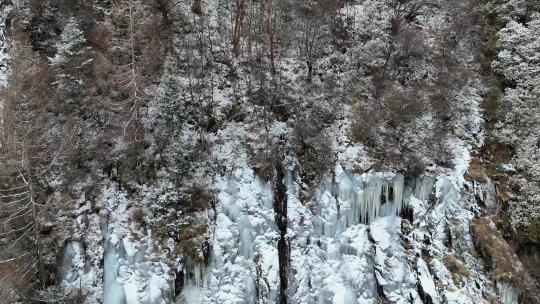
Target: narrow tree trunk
{"points": [[197, 7], [239, 18], [31, 192], [310, 71], [271, 38]]}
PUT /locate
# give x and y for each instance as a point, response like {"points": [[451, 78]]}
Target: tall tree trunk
{"points": [[238, 20], [31, 192], [270, 30]]}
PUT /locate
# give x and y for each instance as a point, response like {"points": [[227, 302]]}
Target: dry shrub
{"points": [[189, 232], [161, 234], [34, 4], [490, 104], [263, 155], [476, 170], [364, 125], [456, 267], [192, 241], [410, 43], [197, 199], [196, 8], [381, 79], [488, 161], [499, 256], [137, 216], [101, 68], [100, 37], [496, 152], [403, 106]]}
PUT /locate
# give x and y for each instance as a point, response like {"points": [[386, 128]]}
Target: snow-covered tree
{"points": [[171, 104], [518, 61], [71, 56]]}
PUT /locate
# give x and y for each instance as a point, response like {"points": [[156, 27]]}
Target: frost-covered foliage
{"points": [[227, 151], [413, 76], [70, 42], [518, 62], [71, 58]]}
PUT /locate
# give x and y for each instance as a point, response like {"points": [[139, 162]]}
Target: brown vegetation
{"points": [[499, 256], [457, 268]]}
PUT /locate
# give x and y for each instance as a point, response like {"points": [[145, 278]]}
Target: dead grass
{"points": [[457, 268], [500, 257], [137, 216], [192, 242], [476, 170], [11, 276]]}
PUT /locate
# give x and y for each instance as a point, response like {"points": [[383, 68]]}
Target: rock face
{"points": [[360, 238], [238, 235], [338, 257]]}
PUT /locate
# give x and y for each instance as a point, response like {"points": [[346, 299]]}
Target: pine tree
{"points": [[71, 57], [173, 109], [169, 99]]}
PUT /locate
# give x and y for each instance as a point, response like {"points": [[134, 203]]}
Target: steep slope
{"points": [[253, 152]]}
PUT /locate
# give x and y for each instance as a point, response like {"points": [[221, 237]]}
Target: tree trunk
{"points": [[197, 7], [310, 71], [239, 18], [271, 38], [31, 192]]}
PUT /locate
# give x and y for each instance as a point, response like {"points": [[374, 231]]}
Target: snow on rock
{"points": [[4, 56], [130, 273], [244, 262], [359, 238]]}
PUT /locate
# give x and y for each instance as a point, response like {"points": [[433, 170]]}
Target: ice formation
{"points": [[131, 275], [350, 243], [361, 198], [244, 262], [112, 290], [345, 250], [507, 293]]}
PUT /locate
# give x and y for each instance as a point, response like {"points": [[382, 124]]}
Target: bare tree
{"points": [[314, 17], [19, 226], [29, 151], [135, 49]]}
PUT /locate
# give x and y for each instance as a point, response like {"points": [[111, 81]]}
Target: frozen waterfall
{"points": [[360, 198]]}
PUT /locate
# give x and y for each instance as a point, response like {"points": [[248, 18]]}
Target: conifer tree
{"points": [[173, 109], [71, 57]]}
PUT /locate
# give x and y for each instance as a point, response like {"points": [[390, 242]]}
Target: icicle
{"points": [[424, 186], [197, 274], [507, 293], [193, 273], [372, 193], [246, 237], [345, 187], [193, 281], [399, 182], [362, 198]]}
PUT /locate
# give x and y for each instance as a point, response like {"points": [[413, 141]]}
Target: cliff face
{"points": [[277, 151]]}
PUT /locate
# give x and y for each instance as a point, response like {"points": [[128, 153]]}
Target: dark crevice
{"points": [[280, 211]]}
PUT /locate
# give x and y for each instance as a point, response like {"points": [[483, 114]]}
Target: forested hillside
{"points": [[269, 151]]}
